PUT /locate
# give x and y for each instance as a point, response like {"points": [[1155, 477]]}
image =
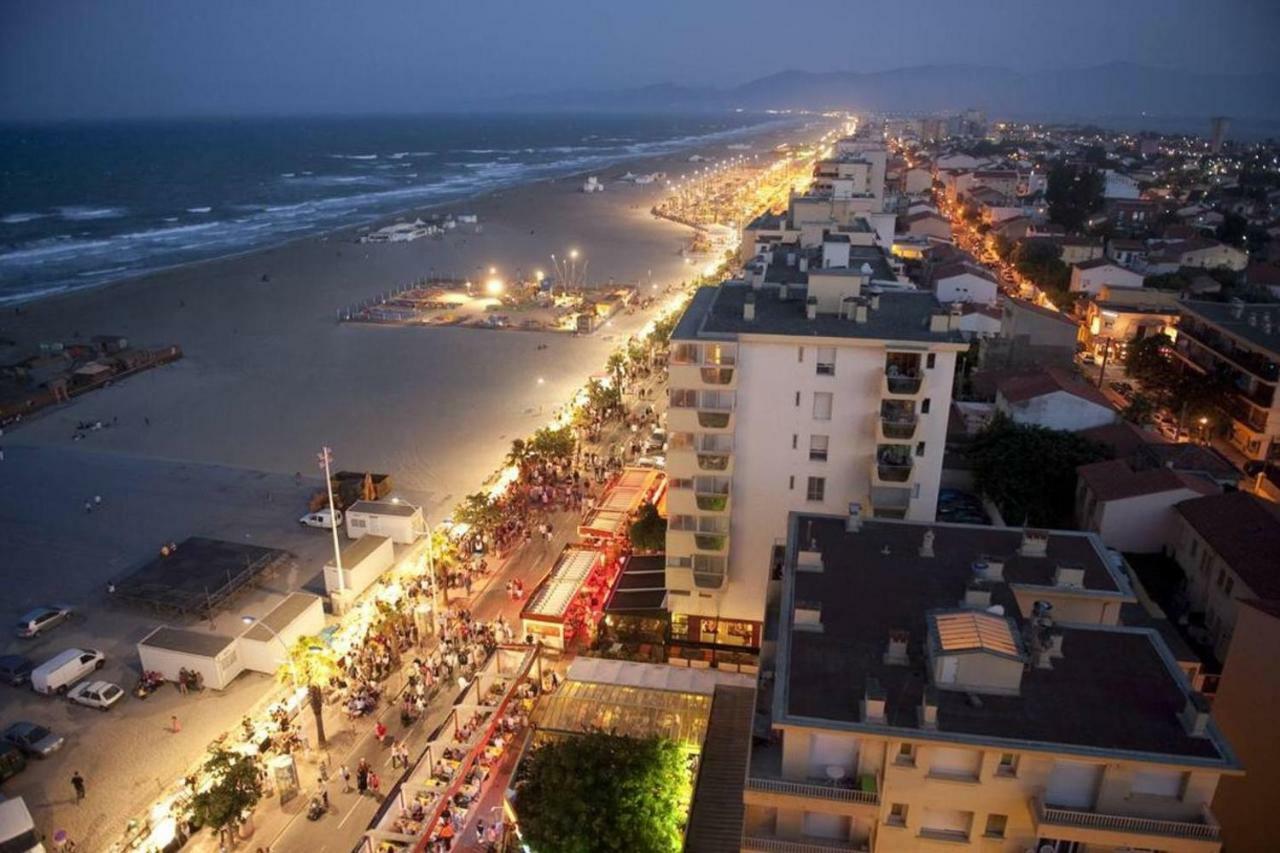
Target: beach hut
{"points": [[363, 561], [168, 651], [398, 521]]}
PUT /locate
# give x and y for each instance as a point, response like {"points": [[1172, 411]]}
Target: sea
{"points": [[84, 204]]}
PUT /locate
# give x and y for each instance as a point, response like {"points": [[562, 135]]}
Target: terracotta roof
{"points": [[1027, 386], [1114, 480], [1244, 531]]}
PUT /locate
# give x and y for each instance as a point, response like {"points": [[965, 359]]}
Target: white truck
{"points": [[17, 829], [321, 519], [57, 674]]}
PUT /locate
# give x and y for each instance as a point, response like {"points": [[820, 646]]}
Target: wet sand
{"points": [[269, 375]]}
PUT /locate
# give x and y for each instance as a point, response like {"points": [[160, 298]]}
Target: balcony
{"points": [[813, 790], [1222, 346], [1090, 827], [710, 541], [717, 375], [717, 462], [712, 502], [687, 419]]}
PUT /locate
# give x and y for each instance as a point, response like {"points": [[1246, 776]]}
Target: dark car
{"points": [[12, 761], [32, 739], [15, 670]]}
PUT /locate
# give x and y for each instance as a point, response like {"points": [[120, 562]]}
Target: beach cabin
{"points": [[398, 521], [168, 651], [363, 561], [265, 645]]}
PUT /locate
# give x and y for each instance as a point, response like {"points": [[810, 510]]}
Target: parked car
{"points": [[15, 670], [96, 694], [12, 762], [321, 519], [18, 833], [57, 674], [32, 739], [656, 443], [41, 619]]}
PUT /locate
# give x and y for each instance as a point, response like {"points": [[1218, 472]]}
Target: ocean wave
{"points": [[400, 155], [78, 213], [49, 248], [199, 209], [18, 218], [107, 271], [354, 156]]}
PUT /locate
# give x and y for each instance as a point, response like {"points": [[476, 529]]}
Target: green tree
{"points": [[599, 792], [311, 664], [1074, 192], [649, 530], [1140, 410], [235, 788], [519, 453], [603, 398], [616, 364], [1030, 471], [550, 444], [479, 511]]}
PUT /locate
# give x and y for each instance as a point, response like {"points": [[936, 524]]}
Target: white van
{"points": [[321, 519], [17, 829], [61, 671]]}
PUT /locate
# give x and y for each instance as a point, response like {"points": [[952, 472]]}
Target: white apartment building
{"points": [[787, 397]]}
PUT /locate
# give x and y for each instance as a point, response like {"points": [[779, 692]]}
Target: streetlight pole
{"points": [[326, 456], [250, 620]]}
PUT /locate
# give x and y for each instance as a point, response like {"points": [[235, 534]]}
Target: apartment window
{"points": [[929, 360], [678, 483], [679, 562], [800, 354], [924, 406], [995, 825], [826, 361], [818, 448], [817, 488], [1008, 765], [822, 406], [919, 448], [797, 399], [795, 440], [906, 754], [791, 482], [684, 398], [898, 814]]}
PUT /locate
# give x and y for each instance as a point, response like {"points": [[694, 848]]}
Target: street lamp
{"points": [[249, 620]]}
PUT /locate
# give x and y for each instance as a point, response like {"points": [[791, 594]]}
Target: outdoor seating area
{"points": [[569, 602]]}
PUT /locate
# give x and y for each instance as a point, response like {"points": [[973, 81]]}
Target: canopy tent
{"points": [[633, 487], [556, 612], [603, 524]]}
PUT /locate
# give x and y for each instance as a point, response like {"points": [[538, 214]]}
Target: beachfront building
{"points": [[810, 393], [1240, 342], [958, 687]]}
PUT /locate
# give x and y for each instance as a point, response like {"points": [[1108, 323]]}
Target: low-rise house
{"points": [[1030, 336], [1053, 398], [961, 282], [927, 224], [1131, 506], [1127, 253], [1132, 216], [1198, 252], [1091, 276], [1226, 546], [1077, 250], [979, 320], [1013, 229], [1126, 314]]}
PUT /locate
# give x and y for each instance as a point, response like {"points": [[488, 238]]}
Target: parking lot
{"points": [[55, 551]]}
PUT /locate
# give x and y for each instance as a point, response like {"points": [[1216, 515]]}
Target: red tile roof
{"points": [[1244, 531], [1028, 386], [1114, 480]]}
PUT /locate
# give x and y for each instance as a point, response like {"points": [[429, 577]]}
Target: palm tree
{"points": [[311, 664]]}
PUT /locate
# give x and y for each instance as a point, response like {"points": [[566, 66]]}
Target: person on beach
{"points": [[174, 725], [77, 782]]}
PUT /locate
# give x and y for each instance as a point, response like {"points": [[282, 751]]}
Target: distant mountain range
{"points": [[1115, 89]]}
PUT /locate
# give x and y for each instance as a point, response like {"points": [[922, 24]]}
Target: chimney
{"points": [[875, 300], [977, 596], [853, 521], [929, 708], [749, 307], [782, 292], [1195, 715], [804, 264], [873, 702], [811, 308], [860, 313], [1069, 577], [1035, 543], [896, 654], [926, 544]]}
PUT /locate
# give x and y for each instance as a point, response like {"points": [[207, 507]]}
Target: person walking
{"points": [[77, 782], [380, 732], [374, 783], [346, 779], [362, 777], [174, 725]]}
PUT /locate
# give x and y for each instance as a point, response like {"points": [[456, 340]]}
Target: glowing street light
{"points": [[494, 287]]}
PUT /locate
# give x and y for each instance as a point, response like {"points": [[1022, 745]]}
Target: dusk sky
{"points": [[150, 58]]}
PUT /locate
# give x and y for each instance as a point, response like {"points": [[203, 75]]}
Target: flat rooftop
{"points": [[1115, 689], [1248, 326], [716, 313], [200, 575], [187, 642], [396, 508], [281, 616]]}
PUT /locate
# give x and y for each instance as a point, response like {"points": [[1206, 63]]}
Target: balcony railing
{"points": [[717, 375], [1260, 366], [902, 384], [710, 541], [806, 789], [898, 427], [805, 844], [712, 503], [713, 420], [713, 462], [891, 472], [1205, 830]]}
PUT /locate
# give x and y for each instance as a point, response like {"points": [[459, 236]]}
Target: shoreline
{"points": [[381, 219]]}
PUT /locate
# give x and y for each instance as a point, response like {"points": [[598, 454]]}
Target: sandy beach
{"points": [[269, 375]]}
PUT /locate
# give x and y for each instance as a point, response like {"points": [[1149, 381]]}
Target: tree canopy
{"points": [[649, 530], [236, 787], [603, 792], [1074, 192], [1030, 471]]}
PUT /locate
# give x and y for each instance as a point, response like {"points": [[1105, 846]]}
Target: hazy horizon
{"points": [[143, 59]]}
